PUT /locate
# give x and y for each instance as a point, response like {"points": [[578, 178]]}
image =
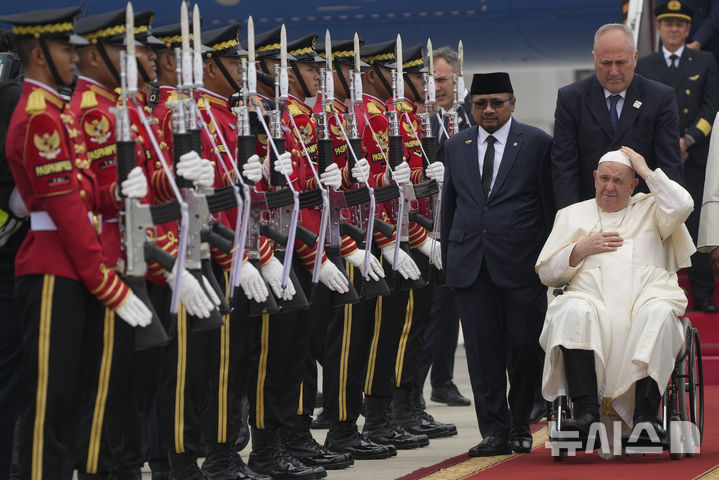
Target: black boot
{"points": [[408, 412], [344, 437], [381, 428], [646, 406], [303, 446], [218, 463], [183, 466], [321, 421], [243, 436], [243, 471], [269, 457]]}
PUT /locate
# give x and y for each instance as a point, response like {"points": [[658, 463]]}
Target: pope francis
{"points": [[612, 338]]}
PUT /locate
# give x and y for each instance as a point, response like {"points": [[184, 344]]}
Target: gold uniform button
{"points": [[158, 165], [686, 110], [688, 92], [83, 193], [79, 176]]}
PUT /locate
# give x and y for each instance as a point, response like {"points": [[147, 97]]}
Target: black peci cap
{"points": [[488, 83]]}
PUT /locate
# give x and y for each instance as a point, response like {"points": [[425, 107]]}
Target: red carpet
{"points": [[708, 326], [540, 465]]}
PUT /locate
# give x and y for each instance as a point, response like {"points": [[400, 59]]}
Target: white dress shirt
{"points": [[501, 135]]}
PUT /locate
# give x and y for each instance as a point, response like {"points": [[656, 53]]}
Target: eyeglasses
{"points": [[494, 102]]}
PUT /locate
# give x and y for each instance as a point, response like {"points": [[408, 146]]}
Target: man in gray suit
{"points": [[694, 77]]}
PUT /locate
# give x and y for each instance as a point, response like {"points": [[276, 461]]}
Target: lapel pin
{"points": [[514, 144], [637, 104], [468, 141]]}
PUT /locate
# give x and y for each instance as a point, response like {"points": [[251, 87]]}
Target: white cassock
{"points": [[708, 237], [623, 305]]}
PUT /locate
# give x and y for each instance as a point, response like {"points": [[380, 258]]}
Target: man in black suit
{"points": [[497, 210], [446, 64], [694, 77], [610, 109], [442, 330]]}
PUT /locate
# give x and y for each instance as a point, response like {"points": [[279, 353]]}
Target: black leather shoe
{"points": [[308, 451], [580, 424], [343, 437], [449, 394], [520, 439], [244, 472], [706, 305], [490, 446], [646, 427], [321, 421]]}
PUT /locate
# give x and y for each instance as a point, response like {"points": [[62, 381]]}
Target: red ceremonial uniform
{"points": [[55, 180]]}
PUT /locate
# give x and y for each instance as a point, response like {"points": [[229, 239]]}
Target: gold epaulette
{"points": [[372, 109], [89, 100], [35, 102], [294, 109]]}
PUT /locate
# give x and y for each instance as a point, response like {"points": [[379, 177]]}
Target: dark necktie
{"points": [[673, 65], [488, 166], [613, 115]]}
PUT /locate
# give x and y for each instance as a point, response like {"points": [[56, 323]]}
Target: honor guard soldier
{"points": [[347, 340], [407, 406], [304, 84], [116, 443], [379, 379], [222, 77], [64, 282]]}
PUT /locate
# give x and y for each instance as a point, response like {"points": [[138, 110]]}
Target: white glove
{"points": [[190, 166], [356, 258], [135, 186], [400, 174], [282, 165], [332, 278], [360, 171], [435, 171], [433, 253], [191, 295], [252, 283], [272, 271], [252, 170], [405, 265], [207, 177], [17, 205], [331, 177], [134, 312]]}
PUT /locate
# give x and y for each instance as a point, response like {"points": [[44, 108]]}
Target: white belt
{"points": [[41, 221]]}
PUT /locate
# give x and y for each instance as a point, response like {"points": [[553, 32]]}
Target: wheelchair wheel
{"points": [[695, 387]]}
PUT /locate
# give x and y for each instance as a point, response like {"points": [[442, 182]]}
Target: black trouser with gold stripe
{"points": [[228, 368], [345, 357], [410, 352], [185, 390], [274, 380], [123, 388], [389, 322], [61, 333], [317, 319]]}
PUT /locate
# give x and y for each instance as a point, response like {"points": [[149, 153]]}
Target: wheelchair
{"points": [[681, 413]]}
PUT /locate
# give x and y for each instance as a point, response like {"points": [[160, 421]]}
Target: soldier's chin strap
{"points": [[263, 66], [110, 66], [343, 81], [50, 63], [411, 86], [296, 69], [226, 74], [383, 80]]}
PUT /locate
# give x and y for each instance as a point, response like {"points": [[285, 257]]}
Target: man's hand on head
{"points": [[638, 163]]}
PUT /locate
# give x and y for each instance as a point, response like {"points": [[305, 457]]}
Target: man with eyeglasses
{"points": [[497, 209], [612, 108]]}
